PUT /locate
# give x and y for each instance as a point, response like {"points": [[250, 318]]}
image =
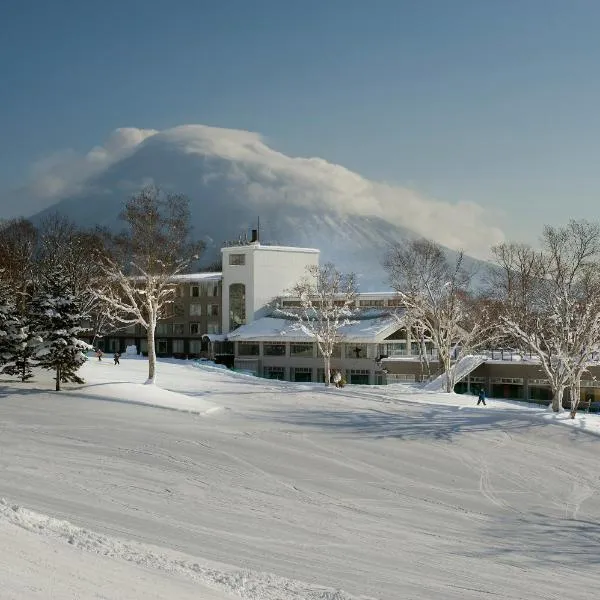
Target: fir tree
{"points": [[24, 348], [17, 342], [8, 322], [58, 320]]}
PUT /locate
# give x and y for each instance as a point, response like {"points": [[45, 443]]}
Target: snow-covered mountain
{"points": [[233, 178]]}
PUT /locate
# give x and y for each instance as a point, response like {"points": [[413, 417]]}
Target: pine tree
{"points": [[8, 323], [24, 347], [58, 318]]}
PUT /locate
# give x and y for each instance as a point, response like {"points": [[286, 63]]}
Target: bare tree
{"points": [[18, 245], [327, 299], [437, 297], [154, 248], [551, 302]]}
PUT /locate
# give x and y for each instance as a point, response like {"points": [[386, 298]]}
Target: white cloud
{"points": [[269, 178], [65, 172]]}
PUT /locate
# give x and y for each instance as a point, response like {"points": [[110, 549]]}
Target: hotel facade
{"points": [[227, 317]]}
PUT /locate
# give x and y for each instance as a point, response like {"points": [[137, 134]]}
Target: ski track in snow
{"points": [[290, 491]]}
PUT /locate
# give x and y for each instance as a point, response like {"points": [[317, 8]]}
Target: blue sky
{"points": [[489, 101]]}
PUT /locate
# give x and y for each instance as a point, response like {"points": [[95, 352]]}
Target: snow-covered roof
{"points": [[190, 277], [215, 337], [274, 329], [274, 248]]}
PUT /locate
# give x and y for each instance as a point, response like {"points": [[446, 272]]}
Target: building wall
{"points": [[267, 272], [180, 332]]}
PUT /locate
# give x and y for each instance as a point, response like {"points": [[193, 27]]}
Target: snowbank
{"points": [[211, 577]]}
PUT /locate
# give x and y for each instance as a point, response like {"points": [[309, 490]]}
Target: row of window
{"points": [[305, 349], [373, 303], [212, 310], [206, 288], [180, 328]]}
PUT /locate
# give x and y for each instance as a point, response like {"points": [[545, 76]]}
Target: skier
{"points": [[116, 357], [99, 354], [481, 397]]}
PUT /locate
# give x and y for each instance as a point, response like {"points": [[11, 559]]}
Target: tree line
{"points": [[55, 277]]}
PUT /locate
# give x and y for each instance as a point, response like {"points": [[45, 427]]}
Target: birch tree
{"points": [[327, 299], [437, 298], [154, 248]]}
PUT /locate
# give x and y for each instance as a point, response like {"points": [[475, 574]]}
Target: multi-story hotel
{"points": [[226, 316]]}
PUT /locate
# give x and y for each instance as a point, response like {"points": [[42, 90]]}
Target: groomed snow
{"points": [[262, 489]]}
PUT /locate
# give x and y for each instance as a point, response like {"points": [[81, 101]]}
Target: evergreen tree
{"points": [[58, 322], [8, 323], [24, 346]]}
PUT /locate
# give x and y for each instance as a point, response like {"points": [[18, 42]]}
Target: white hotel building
{"points": [[226, 316]]}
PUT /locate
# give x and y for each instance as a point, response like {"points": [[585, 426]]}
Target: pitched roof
{"points": [[272, 329]]}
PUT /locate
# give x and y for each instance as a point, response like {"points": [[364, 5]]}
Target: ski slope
{"points": [[228, 486]]}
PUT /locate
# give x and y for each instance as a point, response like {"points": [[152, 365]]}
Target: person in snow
{"points": [[116, 358], [99, 354], [337, 378], [481, 397]]}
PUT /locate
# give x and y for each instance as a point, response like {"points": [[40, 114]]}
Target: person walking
{"points": [[337, 378], [99, 354], [481, 397], [116, 358]]}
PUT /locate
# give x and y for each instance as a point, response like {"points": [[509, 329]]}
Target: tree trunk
{"points": [[327, 363], [575, 393], [557, 397], [58, 378], [151, 356]]}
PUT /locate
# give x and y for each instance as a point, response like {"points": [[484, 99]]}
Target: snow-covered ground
{"points": [[256, 489]]}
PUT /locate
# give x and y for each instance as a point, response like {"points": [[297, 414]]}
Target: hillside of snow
{"points": [[220, 485]]}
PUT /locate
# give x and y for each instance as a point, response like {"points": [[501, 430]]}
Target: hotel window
{"points": [[237, 305], [301, 349], [248, 348], [164, 329], [213, 310], [375, 303], [195, 310], [274, 373], [237, 259], [161, 347], [195, 329], [178, 328], [213, 328], [355, 351], [301, 374], [177, 346], [195, 291], [274, 349], [212, 289], [337, 351]]}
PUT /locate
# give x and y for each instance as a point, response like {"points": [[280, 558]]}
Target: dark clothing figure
{"points": [[117, 357], [481, 397], [99, 354]]}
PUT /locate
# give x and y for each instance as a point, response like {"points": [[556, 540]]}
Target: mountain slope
{"points": [[233, 178]]}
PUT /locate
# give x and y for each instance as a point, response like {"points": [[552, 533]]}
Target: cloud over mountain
{"points": [[225, 165]]}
